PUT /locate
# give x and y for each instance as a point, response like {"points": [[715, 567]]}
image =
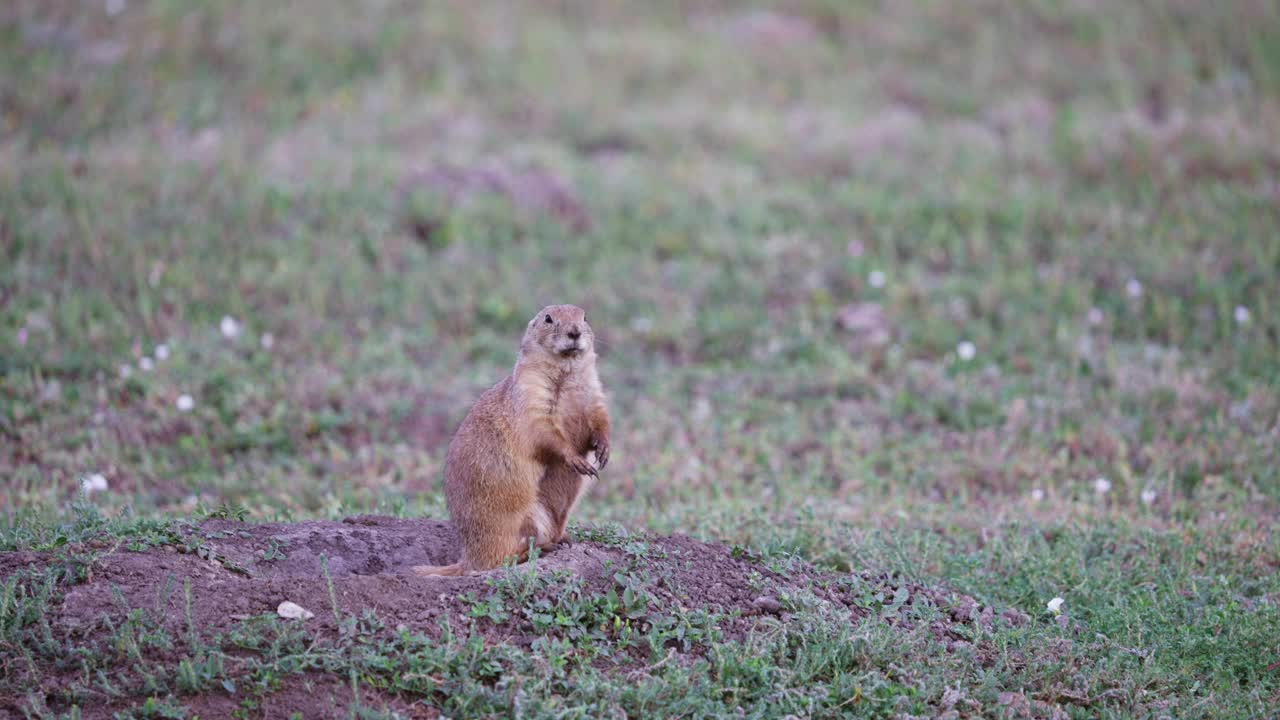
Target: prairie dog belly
{"points": [[544, 524], [559, 492], [584, 485]]}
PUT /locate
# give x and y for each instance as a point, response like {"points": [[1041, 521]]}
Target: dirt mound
{"points": [[237, 570], [207, 581]]}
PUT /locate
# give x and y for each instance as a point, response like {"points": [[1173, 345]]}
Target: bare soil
{"points": [[245, 570], [533, 190]]}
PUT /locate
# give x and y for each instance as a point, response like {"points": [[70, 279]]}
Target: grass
{"points": [[1087, 194]]}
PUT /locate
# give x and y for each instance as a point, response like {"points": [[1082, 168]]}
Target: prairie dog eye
{"points": [[548, 318]]}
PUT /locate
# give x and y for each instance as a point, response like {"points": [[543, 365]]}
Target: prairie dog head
{"points": [[560, 333]]}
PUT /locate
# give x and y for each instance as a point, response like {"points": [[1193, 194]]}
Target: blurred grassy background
{"points": [[879, 284]]}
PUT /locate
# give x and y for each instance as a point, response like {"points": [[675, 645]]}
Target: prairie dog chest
{"points": [[562, 398]]}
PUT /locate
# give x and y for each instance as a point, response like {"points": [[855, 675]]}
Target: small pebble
{"points": [[293, 611], [767, 604]]}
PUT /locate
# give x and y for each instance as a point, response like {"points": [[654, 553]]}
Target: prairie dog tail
{"points": [[454, 570]]}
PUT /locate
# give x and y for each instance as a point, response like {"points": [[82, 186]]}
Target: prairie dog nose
{"points": [[574, 332]]}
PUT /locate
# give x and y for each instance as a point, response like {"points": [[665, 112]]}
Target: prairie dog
{"points": [[519, 462]]}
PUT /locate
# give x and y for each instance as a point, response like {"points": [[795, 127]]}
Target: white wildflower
{"points": [[1242, 315], [230, 327], [1134, 288], [966, 351], [1148, 496], [1095, 316], [36, 321], [1101, 485], [876, 278], [146, 364], [1055, 605], [126, 370], [267, 341], [185, 403], [702, 411], [114, 7], [893, 356], [1037, 494], [93, 483], [162, 352]]}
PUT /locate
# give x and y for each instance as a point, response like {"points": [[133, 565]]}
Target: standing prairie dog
{"points": [[519, 462]]}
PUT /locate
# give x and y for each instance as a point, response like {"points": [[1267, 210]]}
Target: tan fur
{"points": [[519, 463]]}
